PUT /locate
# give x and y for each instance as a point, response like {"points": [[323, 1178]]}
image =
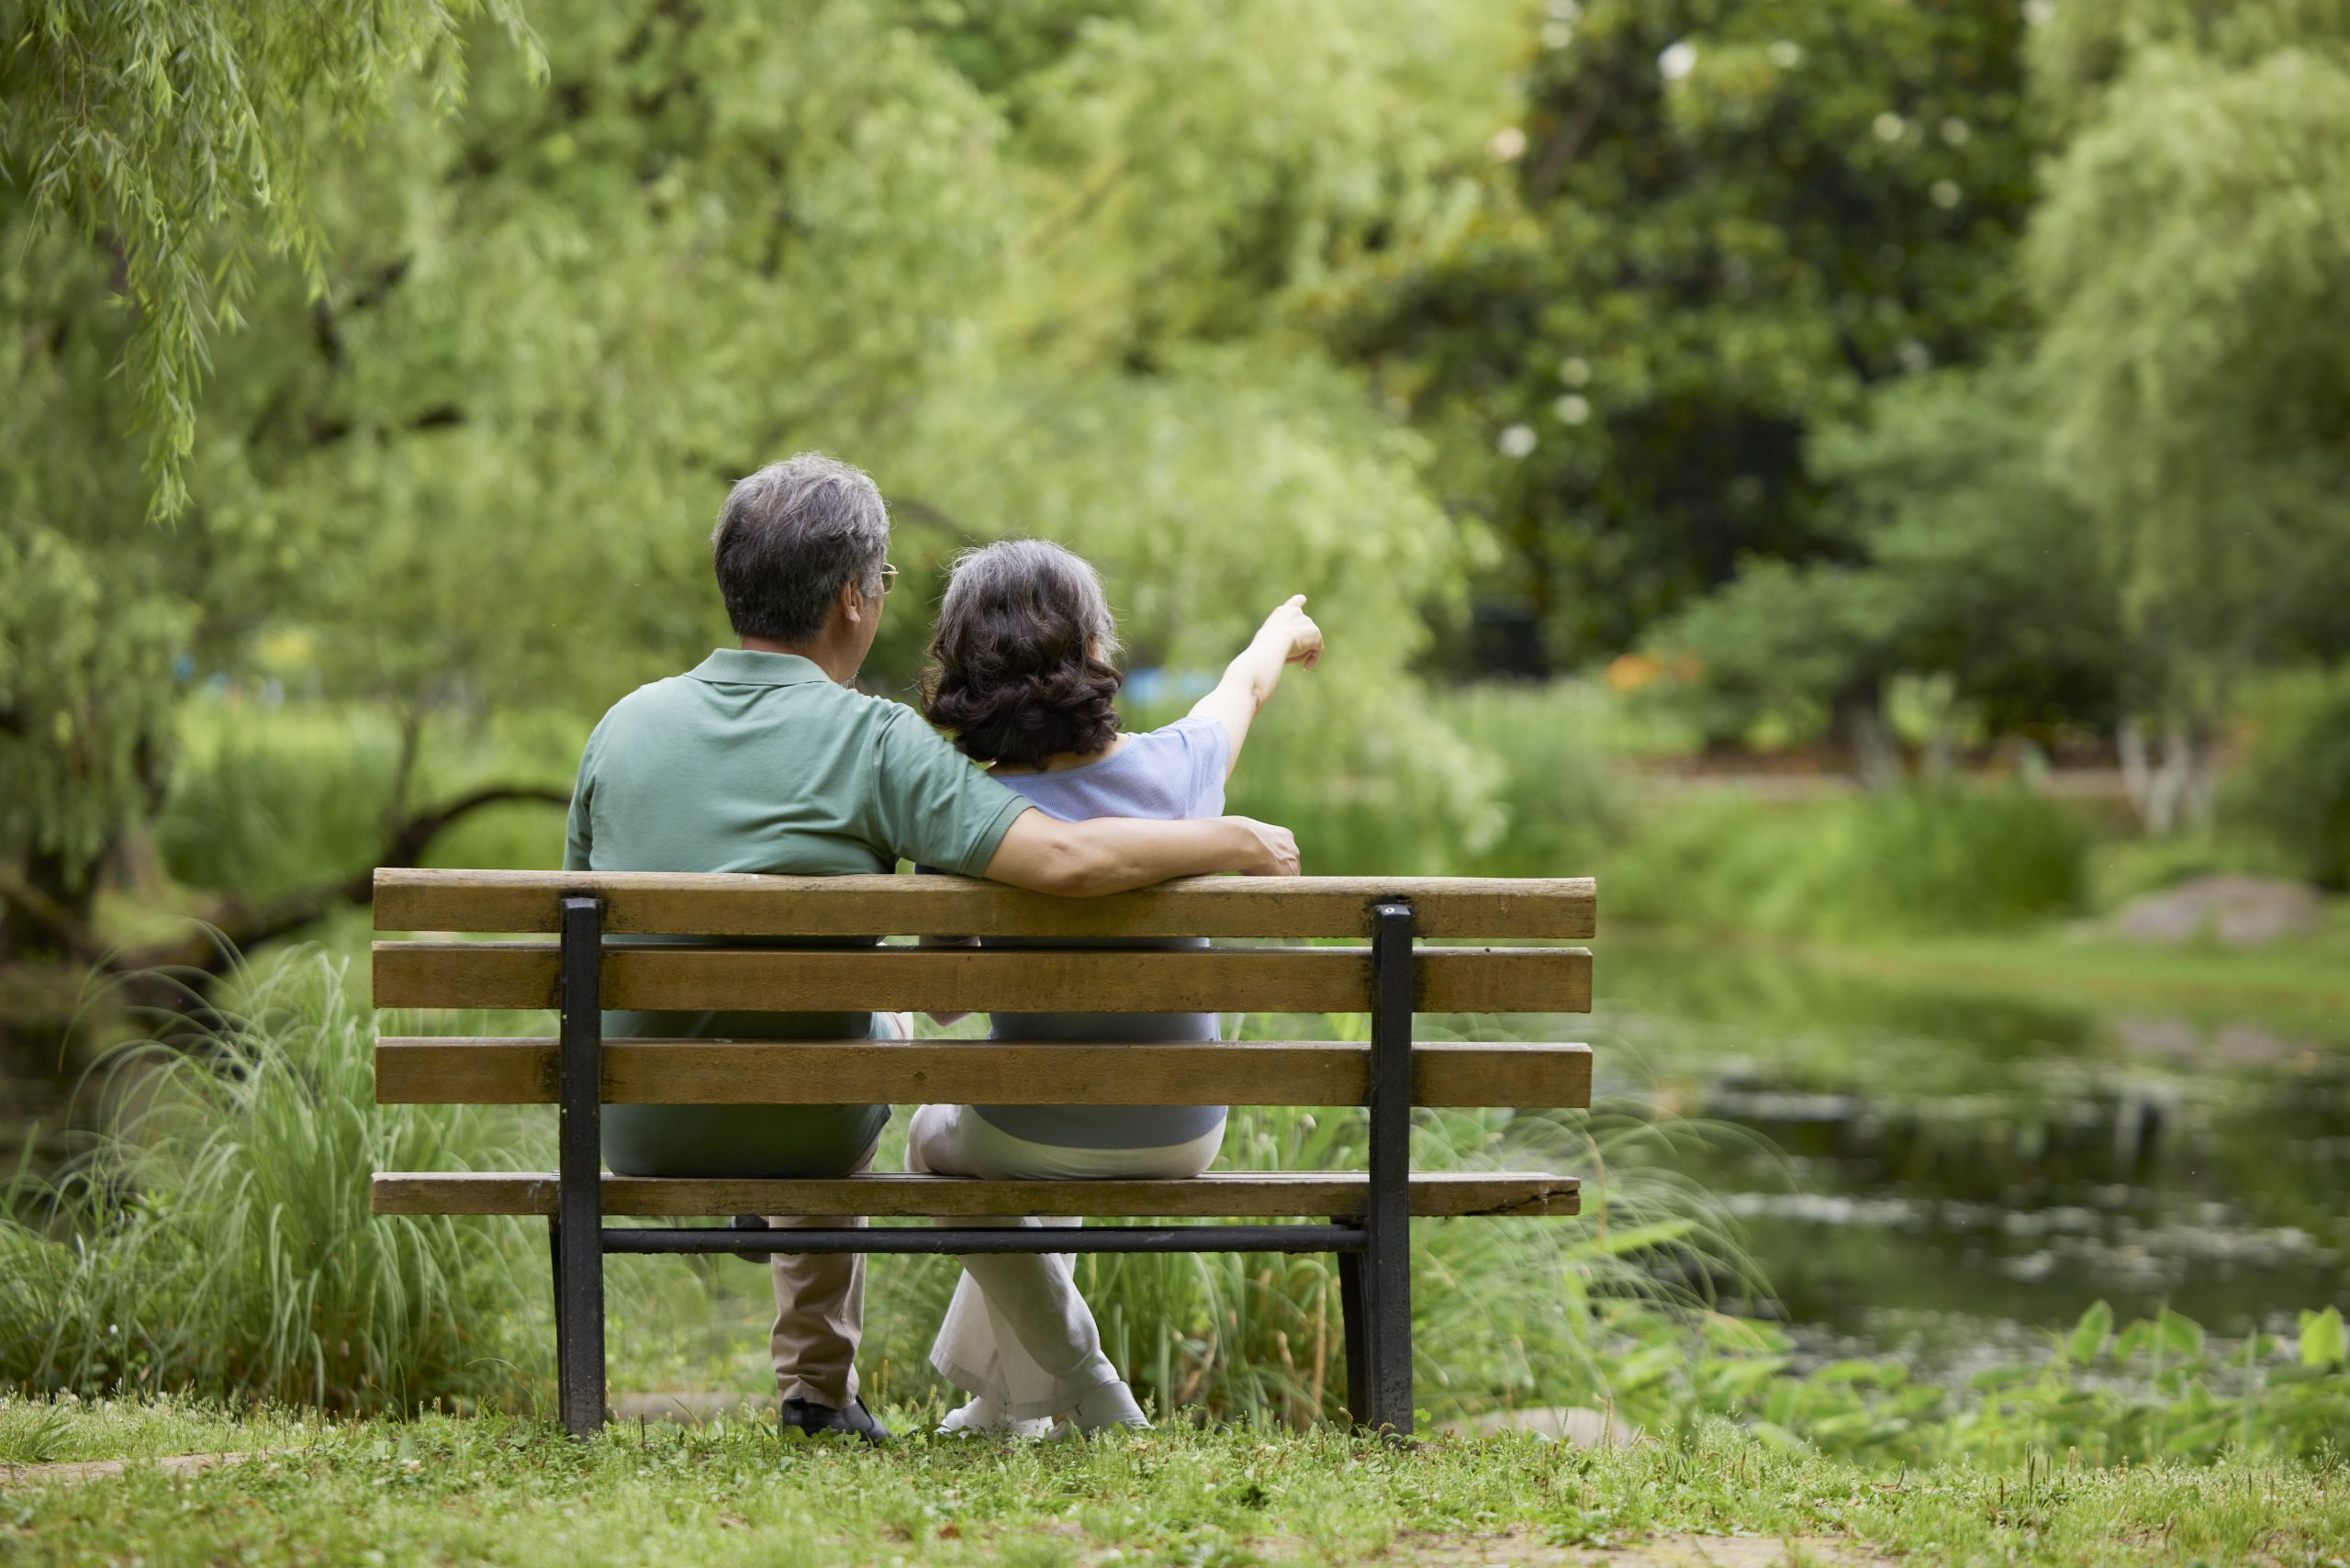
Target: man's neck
{"points": [[837, 661]]}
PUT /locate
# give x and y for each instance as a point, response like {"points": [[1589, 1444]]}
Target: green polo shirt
{"points": [[760, 762]]}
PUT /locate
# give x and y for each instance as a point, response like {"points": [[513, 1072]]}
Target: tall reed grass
{"points": [[217, 1238]]}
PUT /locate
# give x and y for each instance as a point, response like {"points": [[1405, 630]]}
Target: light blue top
{"points": [[1168, 774]]}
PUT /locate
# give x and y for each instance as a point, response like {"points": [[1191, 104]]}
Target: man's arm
{"points": [[1112, 854], [1288, 637]]}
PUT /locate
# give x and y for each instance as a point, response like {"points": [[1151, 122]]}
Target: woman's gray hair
{"points": [[1037, 574], [789, 536]]}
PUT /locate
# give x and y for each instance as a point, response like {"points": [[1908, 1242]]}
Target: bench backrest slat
{"points": [[511, 1071], [496, 975], [721, 905]]}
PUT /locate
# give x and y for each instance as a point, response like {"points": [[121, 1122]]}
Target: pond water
{"points": [[1948, 1173]]}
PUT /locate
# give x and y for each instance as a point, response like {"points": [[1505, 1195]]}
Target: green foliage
{"points": [[1558, 809], [218, 1236], [1964, 562], [266, 800], [2187, 260], [2294, 788], [1720, 223], [2156, 1390], [179, 140], [1917, 861]]}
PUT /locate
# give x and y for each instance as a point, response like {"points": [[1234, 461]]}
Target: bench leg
{"points": [[1385, 1289], [579, 1185], [554, 1279], [1354, 1323]]}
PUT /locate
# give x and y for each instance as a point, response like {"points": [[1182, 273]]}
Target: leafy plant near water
{"points": [[2155, 1390]]}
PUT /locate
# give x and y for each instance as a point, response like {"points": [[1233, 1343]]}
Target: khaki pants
{"points": [[819, 1310]]}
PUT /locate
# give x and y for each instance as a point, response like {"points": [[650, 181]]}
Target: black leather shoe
{"points": [[816, 1419], [751, 1222]]}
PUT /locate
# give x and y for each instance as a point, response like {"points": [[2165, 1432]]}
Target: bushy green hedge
{"points": [[1924, 860]]}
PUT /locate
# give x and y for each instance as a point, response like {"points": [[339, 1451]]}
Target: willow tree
{"points": [[158, 167], [468, 435], [2191, 259]]}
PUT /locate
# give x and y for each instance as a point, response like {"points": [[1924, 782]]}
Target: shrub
{"points": [[1919, 861], [2294, 788]]}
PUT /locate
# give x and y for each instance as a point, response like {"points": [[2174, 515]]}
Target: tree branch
{"points": [[232, 925], [51, 916]]}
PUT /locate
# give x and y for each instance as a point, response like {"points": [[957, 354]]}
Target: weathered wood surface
{"points": [[723, 904], [1314, 1193], [446, 1070], [983, 980]]}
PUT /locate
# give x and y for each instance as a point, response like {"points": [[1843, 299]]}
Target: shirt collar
{"points": [[742, 666]]}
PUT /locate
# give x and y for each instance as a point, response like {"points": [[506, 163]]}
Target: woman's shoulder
{"points": [[1192, 749]]}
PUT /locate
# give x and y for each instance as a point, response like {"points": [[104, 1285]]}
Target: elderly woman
{"points": [[1021, 678]]}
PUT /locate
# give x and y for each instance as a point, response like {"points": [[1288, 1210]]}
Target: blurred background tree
{"points": [[1715, 226], [2190, 259]]}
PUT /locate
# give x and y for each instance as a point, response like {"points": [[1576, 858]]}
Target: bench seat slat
{"points": [[728, 905], [1290, 1193], [437, 1071], [496, 975]]}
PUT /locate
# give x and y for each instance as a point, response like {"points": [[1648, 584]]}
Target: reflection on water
{"points": [[1946, 1172]]}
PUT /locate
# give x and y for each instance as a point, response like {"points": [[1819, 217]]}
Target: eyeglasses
{"points": [[888, 577]]}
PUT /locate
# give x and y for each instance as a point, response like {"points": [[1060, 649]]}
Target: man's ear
{"points": [[850, 602]]}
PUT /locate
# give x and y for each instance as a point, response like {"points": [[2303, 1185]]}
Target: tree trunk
{"points": [[2172, 781], [1859, 720]]}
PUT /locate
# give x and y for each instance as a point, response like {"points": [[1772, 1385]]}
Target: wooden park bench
{"points": [[1362, 1216]]}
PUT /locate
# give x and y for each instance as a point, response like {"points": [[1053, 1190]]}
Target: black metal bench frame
{"points": [[1374, 1255]]}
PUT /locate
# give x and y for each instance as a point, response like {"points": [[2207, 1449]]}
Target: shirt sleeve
{"points": [[579, 828], [1208, 748], [931, 805]]}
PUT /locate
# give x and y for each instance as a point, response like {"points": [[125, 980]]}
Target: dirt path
{"points": [[98, 1469], [1524, 1549]]}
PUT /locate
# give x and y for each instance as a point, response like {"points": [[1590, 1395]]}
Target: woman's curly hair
{"points": [[1019, 661]]}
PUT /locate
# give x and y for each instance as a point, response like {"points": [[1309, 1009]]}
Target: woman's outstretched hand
{"points": [[1290, 625]]}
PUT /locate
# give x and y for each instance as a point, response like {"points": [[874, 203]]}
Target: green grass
{"points": [[1920, 861], [2303, 980], [495, 1490]]}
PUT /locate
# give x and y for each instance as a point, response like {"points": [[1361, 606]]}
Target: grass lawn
{"points": [[2303, 980], [494, 1489]]}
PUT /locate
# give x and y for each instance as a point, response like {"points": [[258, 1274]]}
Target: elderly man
{"points": [[766, 758]]}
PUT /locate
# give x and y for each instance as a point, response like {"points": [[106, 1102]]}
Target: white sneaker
{"points": [[981, 1418], [1111, 1404]]}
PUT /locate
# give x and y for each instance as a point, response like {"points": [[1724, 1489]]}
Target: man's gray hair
{"points": [[788, 538]]}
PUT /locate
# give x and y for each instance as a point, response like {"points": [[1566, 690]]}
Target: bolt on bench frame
{"points": [[1374, 1252]]}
